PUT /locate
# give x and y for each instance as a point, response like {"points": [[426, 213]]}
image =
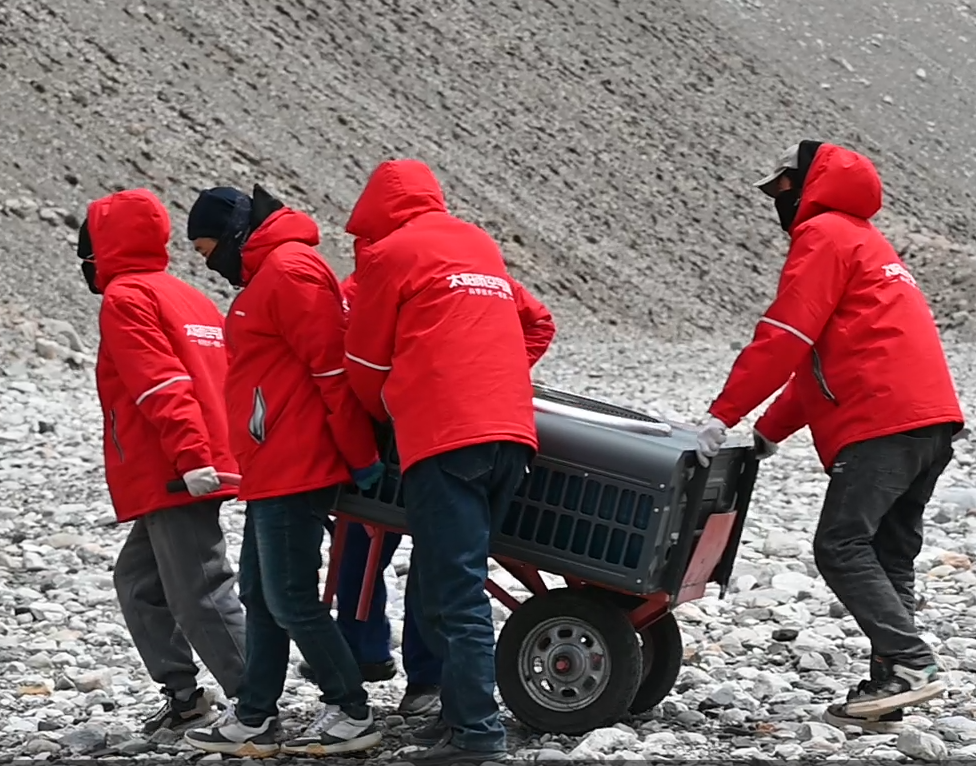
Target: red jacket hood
{"points": [[397, 192], [842, 181], [285, 225], [129, 232]]}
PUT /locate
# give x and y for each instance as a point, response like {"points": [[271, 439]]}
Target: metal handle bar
{"points": [[601, 419]]}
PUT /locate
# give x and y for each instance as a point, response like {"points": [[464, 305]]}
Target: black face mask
{"points": [[88, 271], [787, 203], [87, 255], [225, 258]]}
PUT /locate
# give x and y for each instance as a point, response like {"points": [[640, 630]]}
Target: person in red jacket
{"points": [[855, 343], [160, 375], [299, 433], [436, 346], [370, 639]]}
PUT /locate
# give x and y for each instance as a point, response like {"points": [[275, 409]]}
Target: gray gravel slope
{"points": [[609, 145]]}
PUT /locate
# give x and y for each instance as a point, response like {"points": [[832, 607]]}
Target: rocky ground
{"points": [[760, 666], [610, 147]]}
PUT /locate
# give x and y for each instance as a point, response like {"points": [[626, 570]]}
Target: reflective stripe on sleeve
{"points": [[156, 389], [329, 374], [784, 326], [364, 363]]}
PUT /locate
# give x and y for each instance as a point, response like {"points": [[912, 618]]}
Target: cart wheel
{"points": [[663, 653], [567, 665]]}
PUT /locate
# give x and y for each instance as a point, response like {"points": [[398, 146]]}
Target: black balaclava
{"points": [[225, 258], [247, 216], [788, 202], [87, 255]]}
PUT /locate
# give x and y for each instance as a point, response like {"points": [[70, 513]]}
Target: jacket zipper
{"points": [[821, 380], [115, 437], [259, 413]]}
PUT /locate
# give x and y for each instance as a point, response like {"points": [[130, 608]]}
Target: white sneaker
{"points": [[230, 737], [333, 731]]}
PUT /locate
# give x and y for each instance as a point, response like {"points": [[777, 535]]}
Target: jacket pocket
{"points": [[114, 428], [257, 423]]}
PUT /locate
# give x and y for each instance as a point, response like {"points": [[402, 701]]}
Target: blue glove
{"points": [[365, 478]]}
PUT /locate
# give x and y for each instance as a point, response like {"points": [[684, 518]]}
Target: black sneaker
{"points": [[837, 715], [334, 731], [229, 736], [893, 688], [420, 699], [179, 715], [372, 672], [445, 753], [432, 734]]}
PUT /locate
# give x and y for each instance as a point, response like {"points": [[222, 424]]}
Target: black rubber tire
{"points": [[663, 654], [622, 648]]}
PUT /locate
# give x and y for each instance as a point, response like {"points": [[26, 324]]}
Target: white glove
{"points": [[201, 481], [764, 447], [711, 437]]}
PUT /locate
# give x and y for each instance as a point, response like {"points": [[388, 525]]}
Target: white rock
{"points": [[921, 745]]}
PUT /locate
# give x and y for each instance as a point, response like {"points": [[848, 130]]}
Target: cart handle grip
{"points": [[227, 479], [600, 419]]}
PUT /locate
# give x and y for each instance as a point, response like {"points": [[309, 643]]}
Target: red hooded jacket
{"points": [[295, 425], [538, 327], [849, 330], [161, 363], [435, 341]]}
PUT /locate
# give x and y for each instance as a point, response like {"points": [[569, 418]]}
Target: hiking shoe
{"points": [[896, 687], [420, 699], [372, 672], [178, 714], [229, 736], [447, 753], [432, 734], [334, 731], [837, 715]]}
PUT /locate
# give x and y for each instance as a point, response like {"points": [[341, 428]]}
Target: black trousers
{"points": [[870, 533]]}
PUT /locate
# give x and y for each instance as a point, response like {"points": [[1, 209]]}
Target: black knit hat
{"points": [[211, 212]]}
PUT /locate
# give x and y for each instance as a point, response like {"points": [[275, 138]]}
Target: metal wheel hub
{"points": [[563, 663]]}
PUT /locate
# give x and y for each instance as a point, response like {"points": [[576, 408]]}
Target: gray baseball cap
{"points": [[788, 160]]}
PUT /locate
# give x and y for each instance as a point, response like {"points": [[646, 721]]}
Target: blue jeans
{"points": [[455, 502], [370, 639], [279, 585]]}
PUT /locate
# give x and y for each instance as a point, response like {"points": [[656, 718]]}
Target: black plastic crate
{"points": [[605, 505]]}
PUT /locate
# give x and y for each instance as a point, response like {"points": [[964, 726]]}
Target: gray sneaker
{"points": [[333, 732], [228, 736]]}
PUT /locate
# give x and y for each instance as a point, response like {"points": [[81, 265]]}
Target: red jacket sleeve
{"points": [[784, 417], [371, 335], [811, 285], [297, 295], [537, 325], [152, 373]]}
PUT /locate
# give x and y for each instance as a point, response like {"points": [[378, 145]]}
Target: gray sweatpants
{"points": [[176, 590]]}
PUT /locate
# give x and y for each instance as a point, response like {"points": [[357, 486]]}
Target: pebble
{"points": [[761, 665]]}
